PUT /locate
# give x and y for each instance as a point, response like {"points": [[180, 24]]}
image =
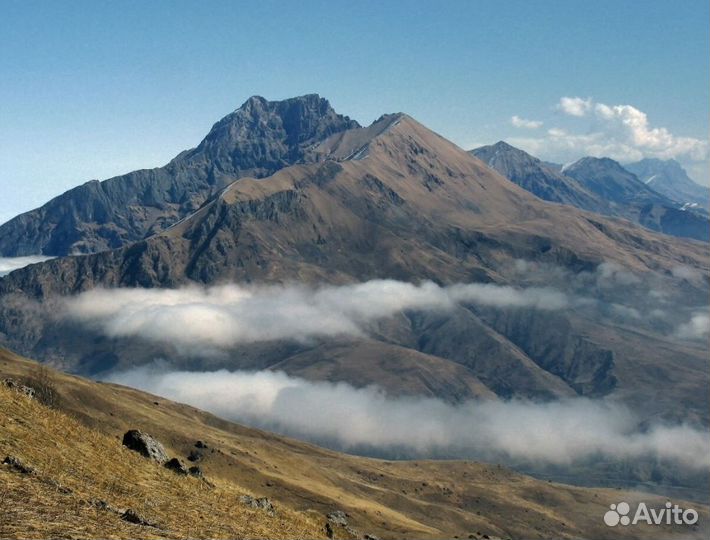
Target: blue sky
{"points": [[94, 89]]}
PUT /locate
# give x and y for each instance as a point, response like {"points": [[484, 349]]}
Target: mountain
{"points": [[397, 201], [537, 177], [256, 140], [597, 185], [670, 179], [83, 480], [637, 200]]}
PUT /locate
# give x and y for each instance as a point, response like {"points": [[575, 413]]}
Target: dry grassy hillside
{"points": [[76, 451]]}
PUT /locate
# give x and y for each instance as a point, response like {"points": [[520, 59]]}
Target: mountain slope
{"points": [[415, 206], [597, 185], [76, 454], [538, 178], [670, 179], [256, 140], [403, 203], [626, 192]]}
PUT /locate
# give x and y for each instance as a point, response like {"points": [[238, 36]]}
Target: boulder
{"points": [[263, 503], [176, 466], [131, 516], [338, 517], [17, 386], [194, 455], [16, 464], [145, 445], [195, 471]]}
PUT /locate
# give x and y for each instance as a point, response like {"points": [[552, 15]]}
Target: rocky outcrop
{"points": [[145, 445], [19, 387], [261, 503], [256, 140]]}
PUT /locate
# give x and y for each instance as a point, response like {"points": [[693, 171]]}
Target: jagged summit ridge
{"points": [[256, 140]]}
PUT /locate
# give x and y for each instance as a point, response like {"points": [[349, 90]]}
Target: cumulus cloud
{"points": [[519, 122], [366, 420], [698, 327], [575, 106], [226, 315], [9, 264], [621, 132]]}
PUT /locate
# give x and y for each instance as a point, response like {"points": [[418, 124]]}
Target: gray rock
{"points": [[195, 471], [16, 464], [145, 445], [176, 466], [338, 517], [16, 385], [263, 503], [131, 516], [195, 455]]}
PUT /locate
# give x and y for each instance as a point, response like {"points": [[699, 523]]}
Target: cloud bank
{"points": [[365, 420], [226, 315], [9, 264]]}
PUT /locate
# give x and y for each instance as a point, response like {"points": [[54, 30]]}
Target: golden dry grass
{"points": [[79, 447], [75, 465]]}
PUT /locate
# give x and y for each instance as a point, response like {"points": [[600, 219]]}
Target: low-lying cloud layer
{"points": [[9, 264], [226, 315], [365, 420], [698, 327]]}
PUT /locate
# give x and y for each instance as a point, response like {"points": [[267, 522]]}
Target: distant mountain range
{"points": [[670, 179], [602, 185]]}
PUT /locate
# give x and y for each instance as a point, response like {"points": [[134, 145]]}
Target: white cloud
{"points": [[365, 419], [575, 106], [686, 272], [698, 327], [225, 315], [621, 132], [9, 264], [523, 123]]}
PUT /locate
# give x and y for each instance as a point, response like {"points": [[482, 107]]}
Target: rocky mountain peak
{"points": [[263, 134], [597, 164]]}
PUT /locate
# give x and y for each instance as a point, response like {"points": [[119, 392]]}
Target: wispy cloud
{"points": [[366, 420], [525, 124], [9, 264], [226, 315]]}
